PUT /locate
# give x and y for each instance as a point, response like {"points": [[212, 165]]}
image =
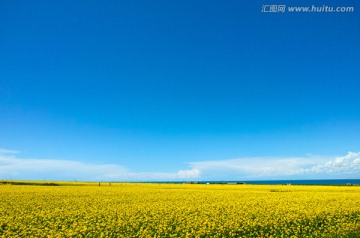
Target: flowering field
{"points": [[179, 210]]}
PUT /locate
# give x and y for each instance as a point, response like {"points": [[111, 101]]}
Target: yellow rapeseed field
{"points": [[179, 210]]}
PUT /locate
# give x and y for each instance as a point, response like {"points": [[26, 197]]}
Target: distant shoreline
{"points": [[274, 182], [325, 182]]}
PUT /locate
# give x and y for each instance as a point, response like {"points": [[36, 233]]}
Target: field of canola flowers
{"points": [[179, 210]]}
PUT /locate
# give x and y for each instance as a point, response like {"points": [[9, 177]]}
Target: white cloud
{"points": [[16, 168], [12, 167], [309, 167], [7, 152], [345, 165], [255, 168], [185, 174], [165, 176], [252, 168]]}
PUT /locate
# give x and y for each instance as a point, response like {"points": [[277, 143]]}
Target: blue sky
{"points": [[177, 90]]}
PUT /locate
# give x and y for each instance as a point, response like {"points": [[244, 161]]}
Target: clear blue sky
{"points": [[157, 89]]}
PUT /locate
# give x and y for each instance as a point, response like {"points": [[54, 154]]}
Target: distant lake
{"points": [[274, 182], [297, 182]]}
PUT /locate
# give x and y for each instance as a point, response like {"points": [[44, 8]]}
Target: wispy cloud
{"points": [[348, 165], [8, 152], [12, 167], [254, 168], [308, 167], [164, 176], [19, 168]]}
